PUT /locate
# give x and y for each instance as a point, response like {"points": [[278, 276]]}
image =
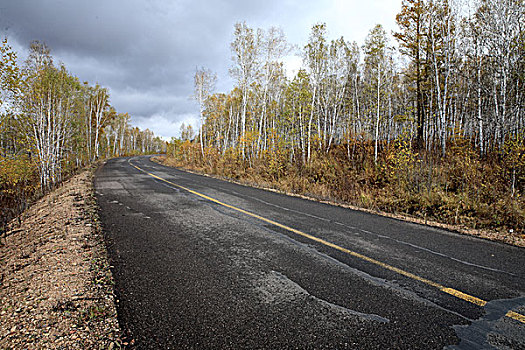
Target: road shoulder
{"points": [[56, 287]]}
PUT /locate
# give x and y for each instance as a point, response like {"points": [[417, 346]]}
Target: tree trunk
{"points": [[377, 114]]}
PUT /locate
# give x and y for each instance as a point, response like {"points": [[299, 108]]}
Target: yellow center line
{"points": [[458, 294]]}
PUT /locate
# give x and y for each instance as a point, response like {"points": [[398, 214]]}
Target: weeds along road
{"points": [[205, 264]]}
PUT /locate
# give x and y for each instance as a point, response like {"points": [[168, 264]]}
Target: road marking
{"points": [[454, 292], [516, 316]]}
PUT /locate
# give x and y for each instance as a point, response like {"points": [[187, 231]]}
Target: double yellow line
{"points": [[458, 294]]}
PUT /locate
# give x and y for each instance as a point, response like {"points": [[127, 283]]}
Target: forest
{"points": [[427, 121], [52, 125]]}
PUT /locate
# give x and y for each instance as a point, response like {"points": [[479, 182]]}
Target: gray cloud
{"points": [[146, 52]]}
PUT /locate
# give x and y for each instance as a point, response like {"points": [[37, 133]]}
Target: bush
{"points": [[19, 185], [461, 188]]}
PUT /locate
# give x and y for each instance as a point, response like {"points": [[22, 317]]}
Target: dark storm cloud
{"points": [[146, 52], [148, 42]]}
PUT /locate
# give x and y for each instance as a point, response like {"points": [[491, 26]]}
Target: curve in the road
{"points": [[454, 292]]}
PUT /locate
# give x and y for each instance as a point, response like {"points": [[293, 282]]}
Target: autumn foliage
{"points": [[52, 125], [432, 129], [462, 189]]}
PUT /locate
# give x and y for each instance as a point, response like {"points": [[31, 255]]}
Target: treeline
{"points": [[52, 124], [435, 128]]}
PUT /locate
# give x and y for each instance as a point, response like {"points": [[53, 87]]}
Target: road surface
{"points": [[201, 263]]}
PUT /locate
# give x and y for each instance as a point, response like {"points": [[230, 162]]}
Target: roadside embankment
{"points": [[56, 288]]}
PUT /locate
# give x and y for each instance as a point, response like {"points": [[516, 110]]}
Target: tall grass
{"points": [[462, 188]]}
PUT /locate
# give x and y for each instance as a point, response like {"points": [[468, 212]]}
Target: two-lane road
{"points": [[201, 263]]}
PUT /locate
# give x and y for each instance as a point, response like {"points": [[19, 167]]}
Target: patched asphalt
{"points": [[193, 274]]}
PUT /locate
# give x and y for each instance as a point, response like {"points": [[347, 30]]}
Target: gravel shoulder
{"points": [[56, 288]]}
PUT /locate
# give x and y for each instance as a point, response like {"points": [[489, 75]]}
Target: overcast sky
{"points": [[146, 52]]}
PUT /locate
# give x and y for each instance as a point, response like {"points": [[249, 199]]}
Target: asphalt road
{"points": [[201, 263]]}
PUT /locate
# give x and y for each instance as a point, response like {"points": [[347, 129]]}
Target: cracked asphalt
{"points": [[195, 273]]}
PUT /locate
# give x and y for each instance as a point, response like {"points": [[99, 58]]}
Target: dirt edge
{"points": [[56, 287]]}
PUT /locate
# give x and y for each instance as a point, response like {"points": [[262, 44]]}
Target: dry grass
{"points": [[460, 192]]}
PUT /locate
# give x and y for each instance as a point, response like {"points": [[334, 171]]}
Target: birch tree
{"points": [[315, 57], [273, 48], [375, 59], [442, 41], [48, 106], [100, 108], [473, 50], [502, 23], [298, 98], [341, 65], [245, 50], [204, 82]]}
